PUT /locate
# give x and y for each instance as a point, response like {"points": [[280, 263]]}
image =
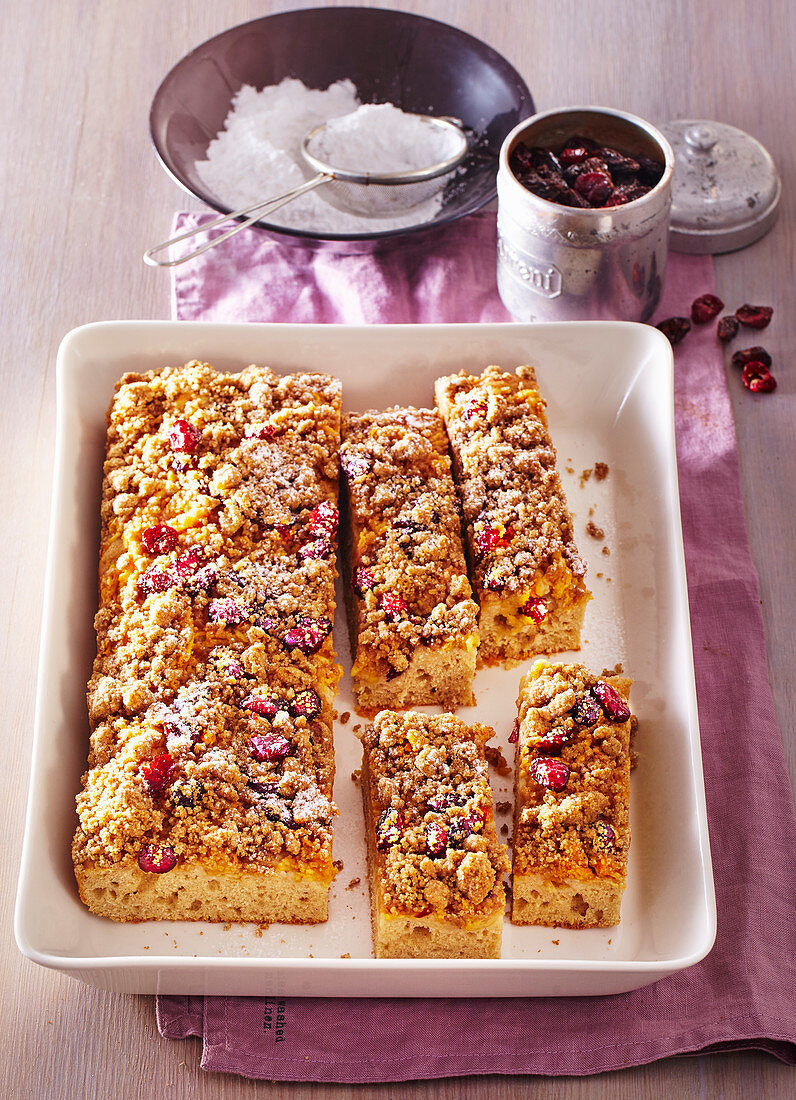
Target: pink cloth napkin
{"points": [[743, 995]]}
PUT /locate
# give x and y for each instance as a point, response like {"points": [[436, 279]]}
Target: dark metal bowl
{"points": [[416, 63]]}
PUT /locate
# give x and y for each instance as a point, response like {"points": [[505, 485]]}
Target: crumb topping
{"points": [[409, 570], [211, 697], [433, 815], [573, 768], [519, 529]]}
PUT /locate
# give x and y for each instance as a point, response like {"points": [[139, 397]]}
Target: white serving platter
{"points": [[609, 392]]}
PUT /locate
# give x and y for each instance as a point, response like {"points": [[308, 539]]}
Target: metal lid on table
{"points": [[725, 190]]}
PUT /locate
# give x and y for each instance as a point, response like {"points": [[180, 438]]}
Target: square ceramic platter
{"points": [[609, 392]]}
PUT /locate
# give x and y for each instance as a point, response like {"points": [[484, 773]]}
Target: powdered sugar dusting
{"points": [[258, 154]]}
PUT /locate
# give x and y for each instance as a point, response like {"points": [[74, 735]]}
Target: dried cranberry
{"points": [[618, 163], [324, 519], [188, 563], [492, 538], [159, 539], [604, 836], [649, 171], [674, 328], [267, 706], [586, 711], [316, 550], [514, 736], [477, 406], [595, 187], [269, 746], [354, 465], [727, 328], [573, 154], [549, 772], [535, 609], [436, 839], [751, 355], [227, 611], [157, 772], [232, 668], [757, 378], [276, 809], [459, 828], [612, 702], [497, 576], [263, 788], [306, 704], [203, 579], [188, 792], [442, 800], [705, 308], [156, 580], [627, 192], [259, 431], [364, 580], [393, 605], [308, 635], [389, 829], [754, 316], [183, 436], [156, 859], [553, 740]]}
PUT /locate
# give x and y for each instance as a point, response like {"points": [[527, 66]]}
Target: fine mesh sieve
{"points": [[373, 194]]}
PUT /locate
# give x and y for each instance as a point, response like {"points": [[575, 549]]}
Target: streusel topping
{"points": [[573, 761], [433, 815]]}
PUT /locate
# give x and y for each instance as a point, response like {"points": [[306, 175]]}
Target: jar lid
{"points": [[725, 189]]}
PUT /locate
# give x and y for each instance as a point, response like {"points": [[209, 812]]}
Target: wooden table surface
{"points": [[83, 197]]}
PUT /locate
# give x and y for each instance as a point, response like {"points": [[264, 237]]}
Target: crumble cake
{"points": [[211, 761], [572, 795], [412, 620], [526, 571], [436, 865]]}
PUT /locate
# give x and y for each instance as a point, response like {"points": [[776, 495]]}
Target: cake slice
{"points": [[572, 796], [412, 618], [526, 571], [211, 757], [436, 865]]}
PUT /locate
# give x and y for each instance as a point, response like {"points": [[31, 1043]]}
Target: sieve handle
{"points": [[256, 210]]}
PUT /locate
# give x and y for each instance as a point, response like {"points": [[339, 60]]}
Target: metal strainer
{"points": [[372, 194]]}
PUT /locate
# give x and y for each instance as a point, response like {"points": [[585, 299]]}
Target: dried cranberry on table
{"points": [[757, 378], [751, 355], [727, 328], [705, 308], [754, 316], [674, 328]]}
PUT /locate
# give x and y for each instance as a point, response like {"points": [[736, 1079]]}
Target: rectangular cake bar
{"points": [[572, 795], [526, 571], [412, 618], [436, 865], [211, 758]]}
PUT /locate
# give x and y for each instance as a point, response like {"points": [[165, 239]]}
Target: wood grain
{"points": [[83, 197]]}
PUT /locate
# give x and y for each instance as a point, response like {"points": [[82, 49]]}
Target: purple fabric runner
{"points": [[743, 995]]}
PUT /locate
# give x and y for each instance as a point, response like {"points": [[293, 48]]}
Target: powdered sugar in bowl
{"points": [[374, 56]]}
